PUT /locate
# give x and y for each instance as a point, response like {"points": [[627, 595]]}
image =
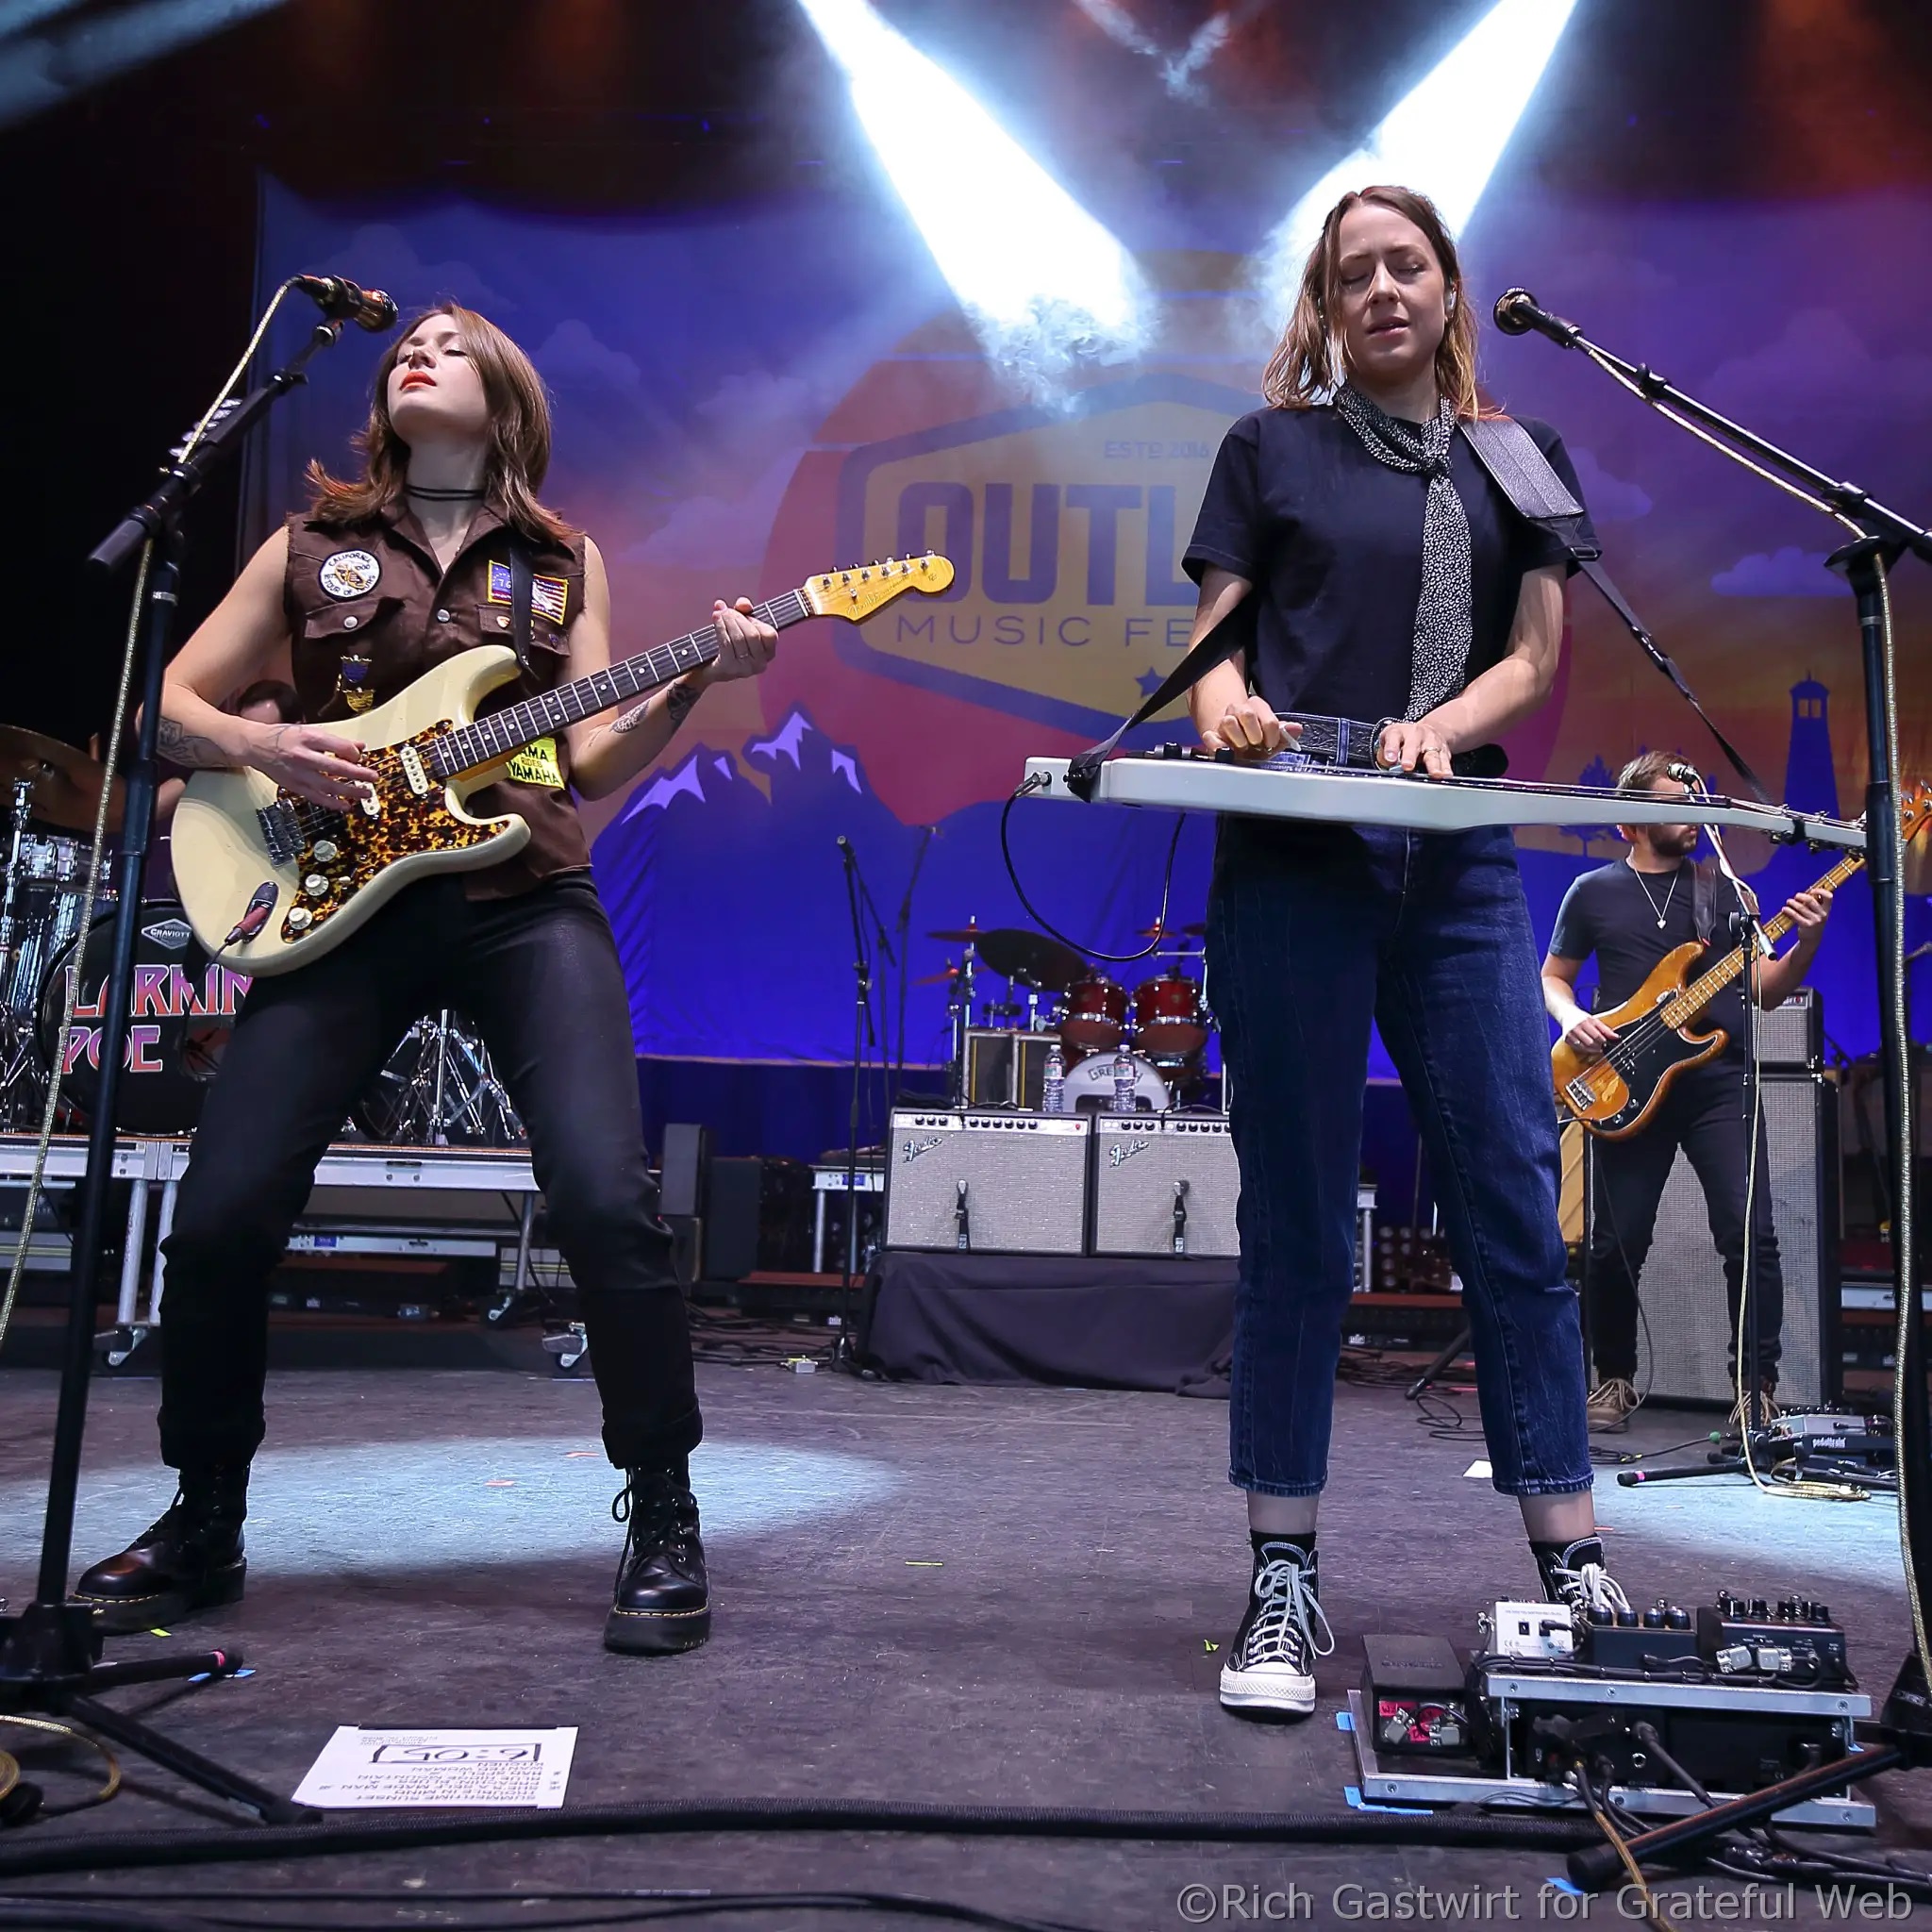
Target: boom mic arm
{"points": [[1518, 312]]}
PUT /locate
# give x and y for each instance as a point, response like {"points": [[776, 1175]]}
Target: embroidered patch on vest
{"points": [[349, 573], [549, 596], [536, 764]]}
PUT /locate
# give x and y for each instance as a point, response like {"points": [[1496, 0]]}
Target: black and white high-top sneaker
{"points": [[1574, 1573], [1272, 1670]]}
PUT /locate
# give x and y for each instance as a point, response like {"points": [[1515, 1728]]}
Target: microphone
{"points": [[1684, 772], [340, 300], [1518, 312]]}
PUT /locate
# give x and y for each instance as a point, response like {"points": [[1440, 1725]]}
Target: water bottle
{"points": [[1123, 1081], [1053, 1091]]}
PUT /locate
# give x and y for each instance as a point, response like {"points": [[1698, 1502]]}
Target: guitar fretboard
{"points": [[501, 733], [1686, 1007]]}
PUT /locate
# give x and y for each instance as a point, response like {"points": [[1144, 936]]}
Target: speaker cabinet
{"points": [[757, 1216], [1682, 1285], [681, 1180], [987, 1183], [1164, 1186], [1006, 1067]]}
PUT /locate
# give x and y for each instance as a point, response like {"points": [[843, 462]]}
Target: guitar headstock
{"points": [[1914, 809], [855, 594]]}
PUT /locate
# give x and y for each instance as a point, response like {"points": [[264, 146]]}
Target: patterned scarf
{"points": [[1443, 627]]}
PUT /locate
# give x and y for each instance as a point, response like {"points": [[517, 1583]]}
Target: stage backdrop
{"points": [[745, 399]]}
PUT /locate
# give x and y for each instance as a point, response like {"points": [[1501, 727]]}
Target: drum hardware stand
{"points": [[50, 1651], [1880, 536], [448, 1052]]}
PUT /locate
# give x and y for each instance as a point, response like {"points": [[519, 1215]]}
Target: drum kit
{"points": [[1053, 993], [438, 1090]]}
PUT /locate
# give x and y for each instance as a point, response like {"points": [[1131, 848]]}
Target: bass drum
{"points": [[181, 1010], [1089, 1086]]}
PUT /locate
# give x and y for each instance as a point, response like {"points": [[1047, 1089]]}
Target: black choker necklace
{"points": [[445, 495]]}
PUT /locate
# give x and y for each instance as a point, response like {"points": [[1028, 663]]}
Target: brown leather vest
{"points": [[373, 591]]}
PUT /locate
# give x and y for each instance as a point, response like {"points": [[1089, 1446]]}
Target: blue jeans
{"points": [[1314, 932]]}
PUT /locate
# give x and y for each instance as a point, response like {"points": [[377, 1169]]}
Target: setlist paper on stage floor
{"points": [[390, 1770]]}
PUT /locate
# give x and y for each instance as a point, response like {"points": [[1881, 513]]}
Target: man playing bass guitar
{"points": [[1630, 914]]}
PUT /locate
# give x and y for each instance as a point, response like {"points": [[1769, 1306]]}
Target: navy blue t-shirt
{"points": [[1631, 919], [1332, 541]]}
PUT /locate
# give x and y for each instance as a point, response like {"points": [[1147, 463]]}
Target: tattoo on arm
{"points": [[679, 700], [183, 747]]}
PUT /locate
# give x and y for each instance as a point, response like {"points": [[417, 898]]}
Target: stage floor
{"points": [[951, 1595]]}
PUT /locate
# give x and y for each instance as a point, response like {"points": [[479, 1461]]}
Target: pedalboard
{"points": [[1414, 1696], [1793, 1641]]}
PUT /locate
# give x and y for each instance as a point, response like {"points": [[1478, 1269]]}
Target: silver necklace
{"points": [[1668, 897]]}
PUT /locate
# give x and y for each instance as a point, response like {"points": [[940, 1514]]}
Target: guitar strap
{"points": [[1521, 471], [1702, 901], [521, 577]]}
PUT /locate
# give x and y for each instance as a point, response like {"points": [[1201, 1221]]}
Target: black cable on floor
{"points": [[128, 1850], [123, 1915]]}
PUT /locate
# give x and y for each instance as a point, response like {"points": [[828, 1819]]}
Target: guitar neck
{"points": [[494, 738], [1703, 989]]}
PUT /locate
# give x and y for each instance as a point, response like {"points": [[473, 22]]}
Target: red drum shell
{"points": [[1094, 1018], [1168, 1017]]}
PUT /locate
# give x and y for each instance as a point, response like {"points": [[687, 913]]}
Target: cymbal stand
{"points": [[20, 1095], [959, 1009]]}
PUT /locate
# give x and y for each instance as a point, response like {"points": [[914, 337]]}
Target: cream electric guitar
{"points": [[271, 881]]}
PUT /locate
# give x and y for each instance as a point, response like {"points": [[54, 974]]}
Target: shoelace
{"points": [[660, 1523], [1284, 1628], [1593, 1587]]}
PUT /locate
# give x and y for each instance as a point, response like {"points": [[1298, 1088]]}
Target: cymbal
{"points": [[66, 782], [1192, 930], [965, 934], [951, 973], [1014, 953]]}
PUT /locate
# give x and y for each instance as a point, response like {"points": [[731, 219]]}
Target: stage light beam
{"points": [[42, 70], [1042, 281], [1444, 137]]}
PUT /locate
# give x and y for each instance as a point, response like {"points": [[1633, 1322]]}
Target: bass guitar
{"points": [[270, 881], [1616, 1094]]}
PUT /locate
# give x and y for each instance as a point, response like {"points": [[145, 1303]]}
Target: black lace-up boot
{"points": [[190, 1559], [661, 1601]]}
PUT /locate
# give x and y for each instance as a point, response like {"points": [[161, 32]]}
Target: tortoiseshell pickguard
{"points": [[406, 824]]}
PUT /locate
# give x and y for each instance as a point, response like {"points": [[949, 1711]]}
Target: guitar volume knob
{"points": [[300, 917], [326, 850], [315, 886]]}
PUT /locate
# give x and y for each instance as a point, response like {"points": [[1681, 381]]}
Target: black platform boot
{"points": [[189, 1560], [661, 1603]]}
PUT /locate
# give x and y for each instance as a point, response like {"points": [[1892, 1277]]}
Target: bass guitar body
{"points": [[1616, 1094], [299, 878]]}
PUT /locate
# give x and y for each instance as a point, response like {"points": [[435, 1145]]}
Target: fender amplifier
{"points": [[1164, 1185], [987, 1183]]}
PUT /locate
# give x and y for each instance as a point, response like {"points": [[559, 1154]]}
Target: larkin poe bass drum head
{"points": [[181, 1010]]}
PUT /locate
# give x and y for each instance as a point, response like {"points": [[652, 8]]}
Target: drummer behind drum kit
{"points": [[438, 1086], [1054, 996]]}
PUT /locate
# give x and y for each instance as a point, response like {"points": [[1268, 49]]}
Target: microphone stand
{"points": [[1879, 537], [50, 1651], [845, 1354], [903, 926]]}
